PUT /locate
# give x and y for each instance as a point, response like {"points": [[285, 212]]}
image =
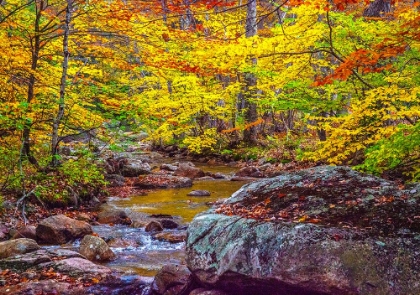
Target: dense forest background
{"points": [[334, 82]]}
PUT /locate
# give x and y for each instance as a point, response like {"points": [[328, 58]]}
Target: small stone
{"points": [[199, 193], [153, 226]]}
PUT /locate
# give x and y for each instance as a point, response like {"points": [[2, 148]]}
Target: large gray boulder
{"points": [[324, 230], [60, 229]]}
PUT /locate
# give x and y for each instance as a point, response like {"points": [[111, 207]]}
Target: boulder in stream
{"points": [[134, 168], [17, 246], [153, 226], [154, 181], [111, 215], [188, 169], [199, 193], [60, 229], [323, 230], [173, 280], [95, 249], [250, 171]]}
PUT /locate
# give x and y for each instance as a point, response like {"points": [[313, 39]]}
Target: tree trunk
{"points": [[377, 8], [251, 115], [61, 103], [36, 47]]}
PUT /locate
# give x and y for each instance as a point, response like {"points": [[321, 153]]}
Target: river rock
{"points": [[64, 265], [171, 237], [324, 230], [153, 226], [153, 181], [168, 167], [95, 249], [172, 280], [168, 223], [111, 215], [28, 231], [250, 171], [78, 267], [60, 229], [134, 168], [17, 246], [199, 193], [189, 170]]}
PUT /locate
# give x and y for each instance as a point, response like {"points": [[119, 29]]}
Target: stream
{"points": [[138, 253]]}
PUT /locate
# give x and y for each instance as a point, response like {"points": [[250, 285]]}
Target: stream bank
{"points": [[123, 224]]}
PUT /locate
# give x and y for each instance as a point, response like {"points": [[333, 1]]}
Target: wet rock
{"points": [[78, 267], [168, 167], [189, 170], [205, 178], [134, 168], [111, 215], [28, 231], [168, 223], [43, 287], [95, 249], [199, 193], [60, 229], [153, 226], [115, 285], [171, 237], [350, 235], [250, 171], [115, 180], [17, 246], [173, 280], [29, 260], [219, 175], [162, 181]]}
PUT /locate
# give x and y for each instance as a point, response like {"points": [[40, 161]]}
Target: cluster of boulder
{"points": [[57, 270]]}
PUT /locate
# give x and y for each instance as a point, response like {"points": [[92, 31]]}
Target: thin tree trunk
{"points": [[251, 115], [61, 103], [36, 47]]}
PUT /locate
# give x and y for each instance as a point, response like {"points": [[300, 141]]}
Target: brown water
{"points": [[176, 202]]}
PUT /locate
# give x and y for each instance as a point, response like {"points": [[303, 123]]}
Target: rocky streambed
{"points": [[131, 239], [324, 230]]}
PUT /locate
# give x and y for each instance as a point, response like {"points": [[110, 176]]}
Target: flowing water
{"points": [[138, 253], [145, 255]]}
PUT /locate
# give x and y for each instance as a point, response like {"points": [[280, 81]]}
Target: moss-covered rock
{"points": [[325, 230]]}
